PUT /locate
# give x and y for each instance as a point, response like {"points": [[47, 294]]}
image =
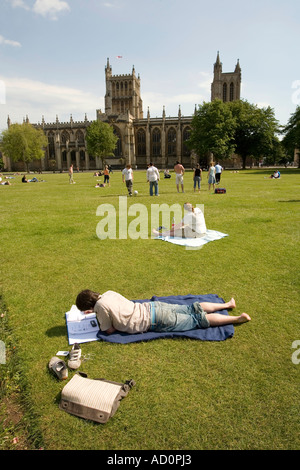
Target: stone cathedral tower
{"points": [[123, 94], [226, 86]]}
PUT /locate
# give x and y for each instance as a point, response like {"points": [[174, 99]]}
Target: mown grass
{"points": [[239, 394]]}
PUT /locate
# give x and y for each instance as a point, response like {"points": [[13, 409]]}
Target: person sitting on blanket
{"points": [[192, 225], [116, 313]]}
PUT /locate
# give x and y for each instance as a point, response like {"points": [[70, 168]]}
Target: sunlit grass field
{"points": [[242, 393]]}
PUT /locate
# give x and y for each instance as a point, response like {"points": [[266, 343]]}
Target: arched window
{"points": [[185, 137], [79, 137], [65, 137], [156, 142], [51, 145], [118, 149], [171, 139], [225, 92], [231, 92], [141, 142]]}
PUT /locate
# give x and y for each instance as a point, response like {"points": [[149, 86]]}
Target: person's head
{"points": [[188, 207], [86, 300], [128, 167]]}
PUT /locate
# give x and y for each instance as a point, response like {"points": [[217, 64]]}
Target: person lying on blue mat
{"points": [[116, 313]]}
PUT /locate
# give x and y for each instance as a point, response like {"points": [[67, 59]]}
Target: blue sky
{"points": [[53, 54]]}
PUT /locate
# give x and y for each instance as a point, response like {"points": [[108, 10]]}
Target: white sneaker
{"points": [[75, 354]]}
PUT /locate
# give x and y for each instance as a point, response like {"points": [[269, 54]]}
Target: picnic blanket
{"points": [[211, 235], [218, 333]]}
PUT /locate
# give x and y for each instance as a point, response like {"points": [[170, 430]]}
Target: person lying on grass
{"points": [[116, 313]]}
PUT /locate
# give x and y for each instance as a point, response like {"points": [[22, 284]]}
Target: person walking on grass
{"points": [[71, 174], [127, 176], [116, 313], [219, 170], [211, 176]]}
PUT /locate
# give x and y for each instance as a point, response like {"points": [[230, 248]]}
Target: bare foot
{"points": [[244, 317], [231, 303]]}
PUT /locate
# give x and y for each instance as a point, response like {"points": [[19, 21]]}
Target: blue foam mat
{"points": [[217, 333]]}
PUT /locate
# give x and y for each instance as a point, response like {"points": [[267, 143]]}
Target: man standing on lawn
{"points": [[153, 178], [179, 170], [219, 170]]}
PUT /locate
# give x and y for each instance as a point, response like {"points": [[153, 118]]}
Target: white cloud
{"points": [[36, 99], [50, 8], [46, 8], [19, 4], [9, 42]]}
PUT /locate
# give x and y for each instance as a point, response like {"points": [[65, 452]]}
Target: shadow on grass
{"points": [[56, 331], [289, 200]]}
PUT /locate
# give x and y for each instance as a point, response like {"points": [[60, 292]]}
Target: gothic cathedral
{"points": [[141, 139]]}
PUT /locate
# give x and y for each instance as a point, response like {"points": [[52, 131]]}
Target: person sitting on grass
{"points": [[116, 313], [192, 225]]}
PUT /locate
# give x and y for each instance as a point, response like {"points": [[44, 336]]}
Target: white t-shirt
{"points": [[127, 172], [114, 310], [218, 168], [195, 220], [152, 173]]}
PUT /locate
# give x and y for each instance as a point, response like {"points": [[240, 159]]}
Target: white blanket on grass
{"points": [[211, 235]]}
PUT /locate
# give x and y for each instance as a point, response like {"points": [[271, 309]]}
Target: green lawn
{"points": [[242, 393]]}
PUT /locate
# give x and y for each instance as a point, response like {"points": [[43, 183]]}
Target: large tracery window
{"points": [[65, 137], [51, 145], [118, 149], [225, 92], [156, 142], [231, 92], [80, 137], [185, 137], [141, 142], [171, 139]]}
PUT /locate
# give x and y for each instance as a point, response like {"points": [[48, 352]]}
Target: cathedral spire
{"points": [[237, 67]]}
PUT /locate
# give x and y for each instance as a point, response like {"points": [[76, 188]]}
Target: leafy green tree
{"points": [[291, 131], [101, 140], [213, 130], [255, 130], [22, 142]]}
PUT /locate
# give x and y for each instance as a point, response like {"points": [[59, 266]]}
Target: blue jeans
{"points": [[197, 179], [173, 317], [155, 184]]}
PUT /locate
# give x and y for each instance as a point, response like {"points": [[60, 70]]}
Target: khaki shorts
{"points": [[179, 179]]}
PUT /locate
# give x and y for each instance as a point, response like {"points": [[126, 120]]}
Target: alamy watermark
{"points": [[296, 354], [2, 92], [133, 222]]}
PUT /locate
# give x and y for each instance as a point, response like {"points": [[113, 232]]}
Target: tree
{"points": [[101, 140], [22, 142], [212, 130], [255, 130], [291, 131]]}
